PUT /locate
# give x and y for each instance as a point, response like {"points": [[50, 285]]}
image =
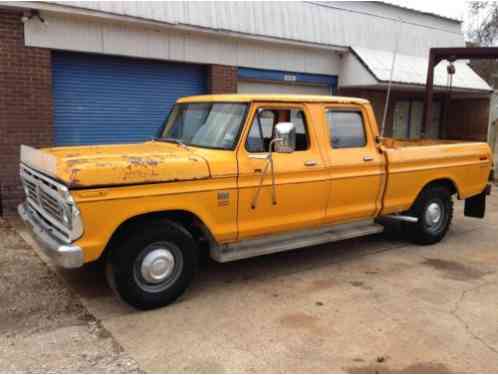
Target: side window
{"points": [[261, 132], [346, 129], [297, 118]]}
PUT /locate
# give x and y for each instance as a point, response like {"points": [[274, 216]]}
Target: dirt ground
{"points": [[376, 304], [43, 325]]}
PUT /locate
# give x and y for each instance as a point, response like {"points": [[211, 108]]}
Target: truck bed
{"points": [[411, 164]]}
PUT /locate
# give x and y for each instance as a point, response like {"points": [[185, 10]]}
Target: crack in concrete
{"points": [[454, 313]]}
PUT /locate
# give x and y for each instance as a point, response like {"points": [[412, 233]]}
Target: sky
{"points": [[458, 9]]}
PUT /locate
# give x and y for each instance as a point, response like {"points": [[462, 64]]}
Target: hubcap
{"points": [[433, 214], [157, 265]]}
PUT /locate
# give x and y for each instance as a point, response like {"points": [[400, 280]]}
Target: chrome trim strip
{"points": [[408, 219], [275, 243]]}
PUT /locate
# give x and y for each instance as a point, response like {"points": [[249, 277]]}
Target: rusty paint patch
{"points": [[106, 166]]}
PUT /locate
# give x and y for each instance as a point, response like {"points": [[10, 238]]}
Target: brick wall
{"points": [[25, 104], [222, 79]]}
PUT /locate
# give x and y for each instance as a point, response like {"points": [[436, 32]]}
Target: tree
{"points": [[483, 32]]}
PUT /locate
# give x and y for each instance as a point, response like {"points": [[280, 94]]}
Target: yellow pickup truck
{"points": [[243, 176]]}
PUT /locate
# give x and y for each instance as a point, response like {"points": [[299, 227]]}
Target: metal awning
{"points": [[408, 71]]}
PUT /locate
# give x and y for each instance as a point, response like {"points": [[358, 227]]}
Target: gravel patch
{"points": [[43, 325]]}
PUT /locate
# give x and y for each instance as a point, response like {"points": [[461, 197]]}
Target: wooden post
{"points": [[428, 93]]}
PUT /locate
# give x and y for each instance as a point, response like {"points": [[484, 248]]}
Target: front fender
{"points": [[104, 210]]}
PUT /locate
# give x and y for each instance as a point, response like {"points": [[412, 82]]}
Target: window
{"points": [[262, 128], [211, 125], [346, 129]]}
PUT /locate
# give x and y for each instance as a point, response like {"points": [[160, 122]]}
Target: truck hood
{"points": [[111, 165]]}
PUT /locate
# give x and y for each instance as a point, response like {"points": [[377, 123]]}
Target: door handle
{"points": [[368, 158], [310, 163]]}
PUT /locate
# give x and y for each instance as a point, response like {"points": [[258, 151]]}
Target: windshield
{"points": [[211, 125]]}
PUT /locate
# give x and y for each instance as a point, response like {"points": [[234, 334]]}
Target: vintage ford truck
{"points": [[241, 176]]}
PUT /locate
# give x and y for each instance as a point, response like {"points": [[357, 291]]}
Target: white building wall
{"points": [[354, 74], [362, 24], [77, 33]]}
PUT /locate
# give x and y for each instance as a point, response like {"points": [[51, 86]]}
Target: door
{"points": [[401, 119], [300, 177], [408, 120], [355, 166], [110, 99]]}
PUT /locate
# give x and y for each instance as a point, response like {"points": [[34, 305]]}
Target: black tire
{"points": [[126, 260], [430, 230]]}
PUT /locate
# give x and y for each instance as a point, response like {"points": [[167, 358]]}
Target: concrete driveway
{"points": [[373, 304]]}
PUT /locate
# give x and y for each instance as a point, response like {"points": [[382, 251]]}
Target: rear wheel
{"points": [[434, 211], [153, 265]]}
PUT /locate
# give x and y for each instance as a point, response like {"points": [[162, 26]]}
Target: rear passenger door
{"points": [[355, 166]]}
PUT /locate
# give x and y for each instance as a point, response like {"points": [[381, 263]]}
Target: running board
{"points": [[293, 240]]}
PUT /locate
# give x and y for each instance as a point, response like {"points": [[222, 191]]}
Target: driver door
{"points": [[300, 177]]}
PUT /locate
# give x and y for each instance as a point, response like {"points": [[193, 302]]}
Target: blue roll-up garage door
{"points": [[106, 99]]}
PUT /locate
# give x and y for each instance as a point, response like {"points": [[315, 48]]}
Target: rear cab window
{"points": [[346, 128]]}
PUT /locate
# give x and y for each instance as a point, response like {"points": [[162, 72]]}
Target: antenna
{"points": [[393, 63]]}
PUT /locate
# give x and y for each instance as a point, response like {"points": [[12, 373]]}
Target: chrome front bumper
{"points": [[64, 255]]}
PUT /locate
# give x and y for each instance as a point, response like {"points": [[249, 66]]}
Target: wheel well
{"points": [[196, 227], [445, 182]]}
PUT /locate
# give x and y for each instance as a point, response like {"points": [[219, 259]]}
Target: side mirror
{"points": [[285, 137]]}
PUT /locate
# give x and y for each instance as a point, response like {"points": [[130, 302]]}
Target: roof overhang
{"points": [[368, 68], [79, 9]]}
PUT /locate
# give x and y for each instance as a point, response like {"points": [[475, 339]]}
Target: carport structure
{"points": [[459, 104], [437, 55]]}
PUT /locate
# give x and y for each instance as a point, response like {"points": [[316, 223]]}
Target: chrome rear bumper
{"points": [[64, 255]]}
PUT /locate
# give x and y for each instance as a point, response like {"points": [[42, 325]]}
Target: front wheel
{"points": [[153, 265], [434, 211]]}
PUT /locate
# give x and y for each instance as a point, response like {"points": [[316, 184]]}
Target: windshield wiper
{"points": [[174, 140]]}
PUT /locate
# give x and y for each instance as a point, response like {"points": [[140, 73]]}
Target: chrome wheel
{"points": [[434, 216], [158, 266]]}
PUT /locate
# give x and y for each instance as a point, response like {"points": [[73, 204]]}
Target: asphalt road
{"points": [[365, 305]]}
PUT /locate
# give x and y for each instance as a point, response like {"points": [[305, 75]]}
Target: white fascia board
{"points": [[90, 34], [68, 10]]}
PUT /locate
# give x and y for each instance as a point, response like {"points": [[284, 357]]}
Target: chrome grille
{"points": [[52, 206], [43, 196], [30, 189]]}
